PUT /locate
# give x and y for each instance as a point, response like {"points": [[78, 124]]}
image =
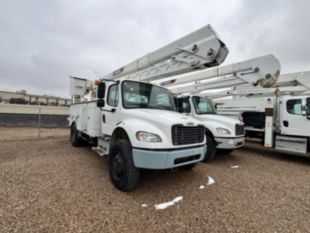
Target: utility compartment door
{"points": [[109, 112], [293, 119], [93, 120]]}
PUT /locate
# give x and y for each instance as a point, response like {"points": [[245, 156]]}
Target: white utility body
{"points": [[223, 133], [278, 116], [135, 122]]}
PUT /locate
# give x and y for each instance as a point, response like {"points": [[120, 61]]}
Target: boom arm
{"points": [[262, 71], [198, 50], [292, 83]]}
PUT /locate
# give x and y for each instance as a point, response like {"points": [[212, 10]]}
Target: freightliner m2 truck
{"points": [[135, 122], [223, 133]]}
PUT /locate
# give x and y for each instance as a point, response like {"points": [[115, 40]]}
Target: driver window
{"points": [[294, 107], [162, 99], [113, 96]]}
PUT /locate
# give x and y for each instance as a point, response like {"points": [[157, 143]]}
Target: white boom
{"points": [[198, 50], [294, 79], [292, 83], [262, 71]]}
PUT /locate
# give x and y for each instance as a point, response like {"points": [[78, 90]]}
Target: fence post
{"points": [[39, 120]]}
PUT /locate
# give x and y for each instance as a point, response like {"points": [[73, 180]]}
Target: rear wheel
{"points": [[211, 150], [76, 140], [123, 173]]}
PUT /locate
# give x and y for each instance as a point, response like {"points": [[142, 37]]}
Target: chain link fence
{"points": [[18, 122]]}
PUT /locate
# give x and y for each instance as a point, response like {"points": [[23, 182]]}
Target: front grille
{"points": [[182, 135], [239, 129]]}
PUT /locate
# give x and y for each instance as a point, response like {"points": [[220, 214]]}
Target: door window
{"points": [[183, 105], [294, 107], [113, 95]]}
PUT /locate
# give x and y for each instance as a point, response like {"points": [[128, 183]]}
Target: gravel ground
{"points": [[19, 133], [49, 186]]}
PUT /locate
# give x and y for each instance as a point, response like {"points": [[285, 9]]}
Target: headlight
{"points": [[222, 131], [147, 137]]}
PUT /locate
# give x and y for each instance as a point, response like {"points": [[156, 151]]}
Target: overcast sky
{"points": [[42, 42]]}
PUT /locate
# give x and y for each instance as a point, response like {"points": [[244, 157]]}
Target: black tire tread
{"points": [[76, 141], [211, 150], [133, 173]]}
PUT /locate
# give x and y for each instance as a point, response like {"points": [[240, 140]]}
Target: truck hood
{"points": [[219, 119], [163, 117], [213, 121]]}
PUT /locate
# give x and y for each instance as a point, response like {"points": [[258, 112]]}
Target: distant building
{"points": [[22, 97]]}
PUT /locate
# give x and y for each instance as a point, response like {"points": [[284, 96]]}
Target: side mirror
{"points": [[308, 108], [100, 103], [101, 90]]}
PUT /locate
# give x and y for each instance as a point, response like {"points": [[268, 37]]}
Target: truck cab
{"points": [[137, 126], [222, 133], [294, 124]]}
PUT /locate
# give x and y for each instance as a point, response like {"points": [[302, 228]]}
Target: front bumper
{"points": [[229, 143], [165, 159]]}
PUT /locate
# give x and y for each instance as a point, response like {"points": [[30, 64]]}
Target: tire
{"points": [[76, 140], [211, 150], [225, 151], [123, 173], [188, 167]]}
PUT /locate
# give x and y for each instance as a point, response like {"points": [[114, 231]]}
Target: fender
{"points": [[132, 126]]}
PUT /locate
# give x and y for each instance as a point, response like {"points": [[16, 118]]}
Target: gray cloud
{"points": [[43, 42]]}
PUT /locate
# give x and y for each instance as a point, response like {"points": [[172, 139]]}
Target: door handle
{"points": [[285, 123]]}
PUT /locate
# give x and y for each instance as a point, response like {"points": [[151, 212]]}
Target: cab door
{"points": [[293, 117], [109, 116]]}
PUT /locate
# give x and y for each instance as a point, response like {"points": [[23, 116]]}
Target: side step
{"points": [[291, 144], [100, 150]]}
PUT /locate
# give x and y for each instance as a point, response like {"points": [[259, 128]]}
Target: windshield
{"points": [[203, 105], [145, 95]]}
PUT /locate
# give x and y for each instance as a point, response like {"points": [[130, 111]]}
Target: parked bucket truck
{"points": [[223, 133], [278, 117], [134, 122]]}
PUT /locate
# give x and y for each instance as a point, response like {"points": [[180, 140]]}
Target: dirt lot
{"points": [[49, 186], [9, 133]]}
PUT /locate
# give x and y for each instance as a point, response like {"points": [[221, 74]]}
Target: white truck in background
{"points": [[223, 133], [135, 123], [278, 116]]}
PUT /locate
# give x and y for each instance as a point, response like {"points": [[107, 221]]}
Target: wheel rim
{"points": [[117, 166]]}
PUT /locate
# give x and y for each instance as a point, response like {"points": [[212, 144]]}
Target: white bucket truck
{"points": [[223, 133], [278, 116], [134, 122]]}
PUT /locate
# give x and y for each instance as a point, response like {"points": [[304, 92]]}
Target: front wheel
{"points": [[211, 150], [123, 173]]}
